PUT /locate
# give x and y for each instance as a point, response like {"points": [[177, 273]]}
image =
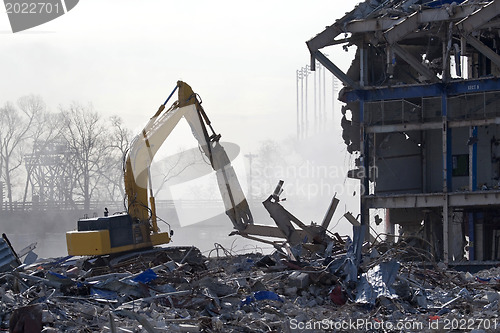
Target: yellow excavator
{"points": [[137, 228]]}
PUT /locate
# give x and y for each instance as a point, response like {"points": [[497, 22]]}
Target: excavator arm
{"points": [[145, 146]]}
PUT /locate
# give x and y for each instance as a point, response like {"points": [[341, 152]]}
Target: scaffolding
{"points": [[51, 173]]}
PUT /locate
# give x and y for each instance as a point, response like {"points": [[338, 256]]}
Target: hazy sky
{"points": [[126, 56]]}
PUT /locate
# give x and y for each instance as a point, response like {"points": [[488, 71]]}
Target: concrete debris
{"points": [[180, 290]]}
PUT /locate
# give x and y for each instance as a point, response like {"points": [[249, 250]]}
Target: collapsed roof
{"points": [[413, 41], [410, 42]]}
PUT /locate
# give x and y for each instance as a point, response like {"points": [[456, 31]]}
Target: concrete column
{"points": [[365, 163], [363, 64], [473, 159], [447, 183]]}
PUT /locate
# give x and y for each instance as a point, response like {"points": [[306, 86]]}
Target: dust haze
{"points": [[313, 170]]}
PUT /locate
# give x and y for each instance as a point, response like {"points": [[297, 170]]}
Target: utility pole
{"points": [[298, 77]]}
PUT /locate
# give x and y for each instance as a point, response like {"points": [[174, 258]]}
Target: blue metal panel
{"points": [[473, 86], [400, 92], [8, 259], [424, 90]]}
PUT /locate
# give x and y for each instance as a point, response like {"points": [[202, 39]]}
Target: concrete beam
{"points": [[420, 200], [405, 200], [474, 122], [476, 198], [427, 126]]}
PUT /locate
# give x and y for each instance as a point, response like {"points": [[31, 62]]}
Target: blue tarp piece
{"points": [[104, 294], [349, 269], [264, 294], [479, 279], [60, 260], [377, 282], [146, 276], [260, 296], [57, 275], [358, 235]]}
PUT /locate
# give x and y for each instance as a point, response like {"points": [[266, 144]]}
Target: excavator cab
{"points": [[112, 234]]}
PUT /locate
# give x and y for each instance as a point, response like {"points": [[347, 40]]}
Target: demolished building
{"points": [[422, 112]]}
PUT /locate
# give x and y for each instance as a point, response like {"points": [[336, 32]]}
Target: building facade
{"points": [[422, 114]]}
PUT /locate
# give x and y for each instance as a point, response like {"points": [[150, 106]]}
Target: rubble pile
{"points": [[393, 288]]}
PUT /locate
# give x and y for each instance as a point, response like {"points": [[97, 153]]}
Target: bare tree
{"points": [[120, 138], [14, 131], [88, 138]]}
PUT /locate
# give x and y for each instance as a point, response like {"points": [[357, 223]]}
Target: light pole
{"points": [[315, 105], [306, 72], [250, 157], [298, 77]]}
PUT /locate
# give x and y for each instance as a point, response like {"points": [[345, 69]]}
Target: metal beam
{"points": [[412, 22], [403, 127], [485, 50], [334, 69], [422, 90], [397, 32], [329, 213], [433, 125], [408, 23], [415, 63], [324, 38], [370, 25], [481, 16]]}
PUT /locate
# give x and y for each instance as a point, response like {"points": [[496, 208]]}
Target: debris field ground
{"points": [[393, 288]]}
